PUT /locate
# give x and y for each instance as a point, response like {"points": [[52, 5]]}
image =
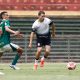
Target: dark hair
{"points": [[41, 12], [2, 13]]}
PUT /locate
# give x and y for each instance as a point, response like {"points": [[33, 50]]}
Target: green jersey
{"points": [[4, 36]]}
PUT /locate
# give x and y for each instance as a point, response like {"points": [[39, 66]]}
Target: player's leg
{"points": [[47, 52], [1, 53], [47, 42], [39, 49], [17, 56]]}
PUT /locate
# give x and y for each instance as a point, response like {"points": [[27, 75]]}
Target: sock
{"points": [[36, 61], [15, 59], [43, 58]]}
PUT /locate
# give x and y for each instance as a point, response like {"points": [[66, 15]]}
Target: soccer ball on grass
{"points": [[71, 65]]}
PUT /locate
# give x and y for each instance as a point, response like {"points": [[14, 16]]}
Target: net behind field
{"points": [[65, 47]]}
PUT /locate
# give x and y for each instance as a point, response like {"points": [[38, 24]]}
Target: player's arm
{"points": [[15, 33], [12, 31], [53, 28], [32, 35], [7, 28], [31, 38]]}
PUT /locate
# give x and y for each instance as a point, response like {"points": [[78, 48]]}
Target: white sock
{"points": [[42, 58], [36, 61]]}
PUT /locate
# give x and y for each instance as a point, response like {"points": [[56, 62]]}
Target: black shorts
{"points": [[42, 41]]}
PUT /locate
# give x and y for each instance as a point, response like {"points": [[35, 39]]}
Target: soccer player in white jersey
{"points": [[5, 41], [41, 27]]}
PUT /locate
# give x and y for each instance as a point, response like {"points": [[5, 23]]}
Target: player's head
{"points": [[4, 15], [41, 15]]}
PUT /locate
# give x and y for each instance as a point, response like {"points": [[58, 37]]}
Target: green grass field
{"points": [[51, 71]]}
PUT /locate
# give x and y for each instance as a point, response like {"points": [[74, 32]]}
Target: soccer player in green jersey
{"points": [[5, 42]]}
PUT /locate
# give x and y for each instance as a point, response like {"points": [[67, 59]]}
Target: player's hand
{"points": [[30, 46], [20, 35], [16, 33]]}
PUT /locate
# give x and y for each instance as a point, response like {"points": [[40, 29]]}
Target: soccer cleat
{"points": [[35, 66], [42, 63], [14, 67], [1, 73]]}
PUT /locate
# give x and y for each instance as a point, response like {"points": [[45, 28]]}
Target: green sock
{"points": [[15, 59]]}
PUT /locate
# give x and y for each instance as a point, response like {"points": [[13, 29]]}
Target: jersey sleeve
{"points": [[50, 22], [7, 23], [34, 27]]}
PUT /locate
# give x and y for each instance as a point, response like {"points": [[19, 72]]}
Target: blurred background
{"points": [[66, 17]]}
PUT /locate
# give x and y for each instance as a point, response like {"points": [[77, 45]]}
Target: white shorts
{"points": [[9, 47]]}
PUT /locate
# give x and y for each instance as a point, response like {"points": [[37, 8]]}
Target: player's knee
{"points": [[46, 54], [47, 51], [20, 51], [39, 51]]}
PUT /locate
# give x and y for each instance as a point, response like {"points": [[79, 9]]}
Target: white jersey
{"points": [[41, 27]]}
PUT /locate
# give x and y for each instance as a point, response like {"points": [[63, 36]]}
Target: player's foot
{"points": [[35, 66], [14, 67], [42, 63], [1, 73]]}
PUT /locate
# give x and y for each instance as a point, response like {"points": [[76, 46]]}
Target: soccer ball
{"points": [[71, 65]]}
